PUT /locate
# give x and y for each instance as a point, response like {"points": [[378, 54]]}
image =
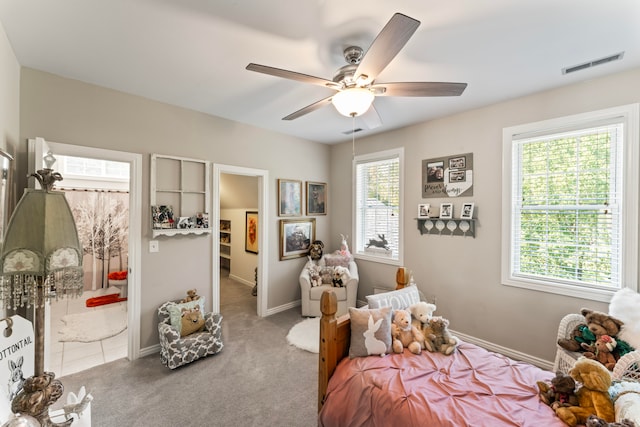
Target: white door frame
{"points": [[134, 278], [263, 232]]}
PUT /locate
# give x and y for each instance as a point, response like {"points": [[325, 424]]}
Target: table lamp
{"points": [[41, 259]]}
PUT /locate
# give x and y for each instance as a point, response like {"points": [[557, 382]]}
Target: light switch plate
{"points": [[154, 246]]}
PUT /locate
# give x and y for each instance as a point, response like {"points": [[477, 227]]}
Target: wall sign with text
{"points": [[450, 176]]}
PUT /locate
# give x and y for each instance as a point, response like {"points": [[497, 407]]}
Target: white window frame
{"points": [[373, 157], [630, 164]]}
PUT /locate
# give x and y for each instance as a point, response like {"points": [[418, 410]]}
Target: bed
{"points": [[471, 387]]}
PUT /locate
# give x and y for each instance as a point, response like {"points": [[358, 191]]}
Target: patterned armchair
{"points": [[176, 351]]}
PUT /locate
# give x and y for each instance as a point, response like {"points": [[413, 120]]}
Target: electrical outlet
{"points": [[154, 246]]}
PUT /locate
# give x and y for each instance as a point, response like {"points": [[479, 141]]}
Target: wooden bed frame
{"points": [[335, 337]]}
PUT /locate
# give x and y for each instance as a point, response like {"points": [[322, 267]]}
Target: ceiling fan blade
{"points": [[308, 109], [386, 46], [419, 89], [292, 75], [371, 118]]}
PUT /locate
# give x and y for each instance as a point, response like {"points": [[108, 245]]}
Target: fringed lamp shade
{"points": [[41, 259], [40, 246]]}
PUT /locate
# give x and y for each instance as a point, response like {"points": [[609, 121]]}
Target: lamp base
{"points": [[37, 395]]}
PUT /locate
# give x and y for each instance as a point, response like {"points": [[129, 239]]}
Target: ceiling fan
{"points": [[355, 82]]}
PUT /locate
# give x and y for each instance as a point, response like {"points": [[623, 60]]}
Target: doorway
{"points": [[263, 239], [37, 148]]}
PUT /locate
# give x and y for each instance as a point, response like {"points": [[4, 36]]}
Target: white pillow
{"points": [[624, 306], [397, 300]]}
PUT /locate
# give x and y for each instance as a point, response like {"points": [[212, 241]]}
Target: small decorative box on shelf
{"points": [[450, 227]]}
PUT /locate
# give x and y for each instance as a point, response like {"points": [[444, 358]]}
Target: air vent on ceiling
{"points": [[593, 63], [350, 131]]}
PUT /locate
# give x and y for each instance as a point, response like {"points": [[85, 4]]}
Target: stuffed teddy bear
{"points": [[604, 347], [594, 421], [437, 337], [192, 321], [593, 395], [340, 276], [421, 312], [561, 391], [315, 250], [192, 295], [404, 334], [579, 335], [585, 334]]}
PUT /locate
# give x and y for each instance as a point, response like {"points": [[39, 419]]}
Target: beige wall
{"points": [[464, 273], [9, 96], [72, 112]]}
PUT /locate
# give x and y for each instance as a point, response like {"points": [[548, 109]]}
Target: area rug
{"points": [[306, 335], [94, 325]]}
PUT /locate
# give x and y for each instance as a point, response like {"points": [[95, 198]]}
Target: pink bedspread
{"points": [[472, 387]]}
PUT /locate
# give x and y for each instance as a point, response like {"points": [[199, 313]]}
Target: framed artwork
{"points": [[467, 211], [446, 210], [162, 217], [296, 236], [251, 232], [423, 210], [450, 176], [289, 197], [316, 198]]}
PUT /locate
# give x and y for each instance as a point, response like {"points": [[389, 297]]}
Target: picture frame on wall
{"points": [[423, 210], [289, 197], [251, 232], [467, 211], [296, 236], [316, 198], [446, 210]]}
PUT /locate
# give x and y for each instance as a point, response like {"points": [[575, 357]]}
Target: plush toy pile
{"points": [[593, 394], [597, 338]]}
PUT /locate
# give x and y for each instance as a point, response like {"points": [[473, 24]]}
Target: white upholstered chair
{"points": [[310, 295]]}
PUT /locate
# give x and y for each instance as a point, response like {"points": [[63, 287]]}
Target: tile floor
{"points": [[69, 357]]}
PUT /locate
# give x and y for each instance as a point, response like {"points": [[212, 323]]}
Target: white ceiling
{"points": [[193, 53]]}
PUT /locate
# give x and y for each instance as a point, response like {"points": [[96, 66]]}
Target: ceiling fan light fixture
{"points": [[353, 101]]}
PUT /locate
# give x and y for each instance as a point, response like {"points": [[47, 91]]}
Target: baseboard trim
{"points": [[514, 354], [283, 307], [149, 350], [241, 280]]}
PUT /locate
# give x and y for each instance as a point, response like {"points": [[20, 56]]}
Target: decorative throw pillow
{"points": [[370, 332], [336, 260], [397, 300], [175, 311]]}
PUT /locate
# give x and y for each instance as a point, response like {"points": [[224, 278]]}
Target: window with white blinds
{"points": [[377, 208], [568, 220]]}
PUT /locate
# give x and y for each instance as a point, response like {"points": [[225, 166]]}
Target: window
{"points": [[569, 203], [377, 209]]}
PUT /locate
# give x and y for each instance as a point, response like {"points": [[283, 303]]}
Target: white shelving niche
{"points": [[182, 184]]}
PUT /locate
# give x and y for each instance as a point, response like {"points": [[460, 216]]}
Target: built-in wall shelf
{"points": [[179, 232], [225, 244], [179, 196], [447, 227]]}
